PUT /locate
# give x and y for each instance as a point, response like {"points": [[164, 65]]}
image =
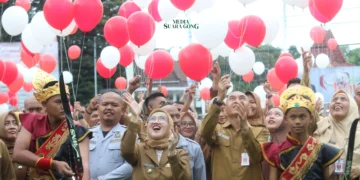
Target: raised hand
{"points": [[140, 96], [307, 60], [223, 86], [134, 107], [134, 83], [267, 88], [148, 85], [215, 73], [318, 105], [94, 103], [192, 91], [173, 140]]}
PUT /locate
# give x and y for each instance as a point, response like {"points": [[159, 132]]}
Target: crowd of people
{"points": [[150, 137]]}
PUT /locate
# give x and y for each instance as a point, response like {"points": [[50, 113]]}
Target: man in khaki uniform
{"points": [[6, 168], [236, 153]]}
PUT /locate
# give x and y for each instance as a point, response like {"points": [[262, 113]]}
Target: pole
{"points": [[95, 73], [285, 28]]}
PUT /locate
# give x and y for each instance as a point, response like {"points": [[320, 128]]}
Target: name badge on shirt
{"points": [[245, 161], [339, 166]]}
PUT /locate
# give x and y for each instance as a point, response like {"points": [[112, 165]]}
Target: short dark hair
{"points": [[293, 81], [179, 102], [151, 97]]}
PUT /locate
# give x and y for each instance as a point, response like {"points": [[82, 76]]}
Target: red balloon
{"points": [[10, 72], [2, 69], [4, 97], [74, 30], [276, 100], [127, 55], [315, 13], [332, 44], [182, 4], [318, 34], [248, 77], [328, 8], [232, 39], [59, 13], [24, 4], [103, 71], [274, 81], [154, 11], [285, 54], [282, 89], [116, 31], [3, 1], [13, 101], [127, 8], [28, 86], [141, 28], [205, 94], [11, 94], [29, 60], [74, 52], [252, 29], [17, 84], [159, 64], [164, 90], [47, 63], [286, 69], [87, 14], [120, 83], [23, 47], [195, 61]]}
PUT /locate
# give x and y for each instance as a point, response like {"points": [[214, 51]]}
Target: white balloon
{"points": [[175, 53], [272, 28], [300, 65], [144, 49], [14, 20], [259, 90], [200, 5], [21, 68], [206, 83], [259, 68], [242, 60], [68, 77], [29, 41], [4, 108], [167, 10], [142, 3], [223, 50], [322, 61], [302, 4], [214, 54], [246, 1], [140, 61], [66, 31], [29, 74], [212, 29], [319, 96], [231, 88], [41, 29], [110, 56]]}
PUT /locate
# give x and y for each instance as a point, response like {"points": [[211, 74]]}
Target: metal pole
{"points": [[285, 31], [95, 73]]}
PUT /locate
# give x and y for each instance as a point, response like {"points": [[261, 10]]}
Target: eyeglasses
{"points": [[184, 124], [160, 119]]}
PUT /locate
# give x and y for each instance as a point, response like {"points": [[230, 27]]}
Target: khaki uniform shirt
{"points": [[7, 171], [145, 162], [227, 147]]}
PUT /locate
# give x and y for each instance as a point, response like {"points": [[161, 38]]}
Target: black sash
{"points": [[350, 151]]}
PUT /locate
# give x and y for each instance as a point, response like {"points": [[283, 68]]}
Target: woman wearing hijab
{"points": [[255, 117], [157, 157], [188, 126], [334, 130], [9, 128]]}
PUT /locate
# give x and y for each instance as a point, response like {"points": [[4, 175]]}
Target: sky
{"points": [[345, 26]]}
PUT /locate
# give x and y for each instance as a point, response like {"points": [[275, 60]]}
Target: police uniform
{"points": [[196, 157], [105, 159]]}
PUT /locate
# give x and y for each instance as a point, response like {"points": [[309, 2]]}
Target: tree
{"points": [[354, 56], [294, 52]]}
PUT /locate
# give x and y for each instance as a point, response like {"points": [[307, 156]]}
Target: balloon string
{"points": [[81, 58], [67, 61], [2, 10]]}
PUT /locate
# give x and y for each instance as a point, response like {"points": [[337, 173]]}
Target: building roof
{"points": [[336, 56]]}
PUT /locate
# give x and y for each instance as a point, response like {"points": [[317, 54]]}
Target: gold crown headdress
{"points": [[41, 78], [296, 97]]}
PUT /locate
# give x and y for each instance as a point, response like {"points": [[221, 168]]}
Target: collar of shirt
{"points": [[182, 142]]}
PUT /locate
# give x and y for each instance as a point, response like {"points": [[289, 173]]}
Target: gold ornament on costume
{"points": [[41, 78], [296, 97]]}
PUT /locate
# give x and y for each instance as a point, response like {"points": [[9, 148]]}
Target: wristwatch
{"points": [[218, 103]]}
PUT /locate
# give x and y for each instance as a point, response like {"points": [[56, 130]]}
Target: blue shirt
{"points": [[197, 162], [105, 159]]}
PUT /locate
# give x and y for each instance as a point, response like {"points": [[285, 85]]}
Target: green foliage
{"points": [[354, 57], [293, 51]]}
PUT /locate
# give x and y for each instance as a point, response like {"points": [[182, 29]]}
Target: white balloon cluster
{"points": [[322, 61], [14, 20], [110, 56], [26, 72], [298, 3], [242, 60]]}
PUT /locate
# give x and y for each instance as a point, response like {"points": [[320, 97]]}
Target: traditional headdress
{"points": [[296, 97], [42, 78]]}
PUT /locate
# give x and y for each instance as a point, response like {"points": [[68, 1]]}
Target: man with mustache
{"points": [[105, 159], [236, 152]]}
